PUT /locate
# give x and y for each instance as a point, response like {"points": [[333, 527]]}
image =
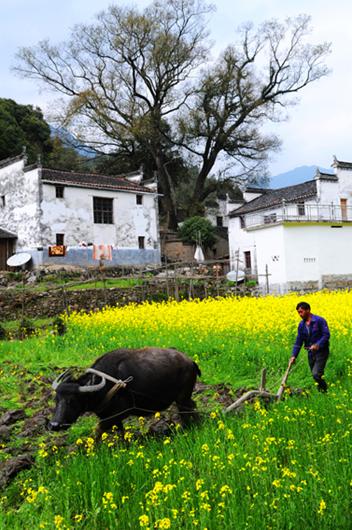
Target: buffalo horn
{"points": [[93, 388], [61, 378]]}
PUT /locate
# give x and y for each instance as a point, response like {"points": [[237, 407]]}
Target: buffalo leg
{"points": [[187, 411]]}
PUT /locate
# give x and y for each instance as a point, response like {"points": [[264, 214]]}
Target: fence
{"points": [[301, 212], [182, 280]]}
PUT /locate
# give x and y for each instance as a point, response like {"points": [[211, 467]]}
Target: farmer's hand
{"points": [[292, 361], [314, 347]]}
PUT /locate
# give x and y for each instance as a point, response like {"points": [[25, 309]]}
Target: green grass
{"points": [[57, 283], [11, 325], [109, 283]]}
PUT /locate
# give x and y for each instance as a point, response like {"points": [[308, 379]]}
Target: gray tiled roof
{"points": [[341, 164], [321, 175], [4, 234], [8, 161], [90, 180], [275, 197]]}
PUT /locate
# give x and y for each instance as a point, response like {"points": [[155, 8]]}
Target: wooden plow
{"points": [[261, 392]]}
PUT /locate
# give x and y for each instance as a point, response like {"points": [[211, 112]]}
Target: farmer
{"points": [[314, 333]]}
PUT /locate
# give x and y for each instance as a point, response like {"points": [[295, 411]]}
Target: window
{"points": [[2, 201], [102, 209], [219, 221], [242, 222], [141, 242], [59, 191], [247, 259], [271, 218], [139, 199], [301, 208], [60, 239]]}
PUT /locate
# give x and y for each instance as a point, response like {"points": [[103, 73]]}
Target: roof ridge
{"points": [[286, 194], [89, 174], [91, 180], [7, 161], [292, 185], [337, 163]]}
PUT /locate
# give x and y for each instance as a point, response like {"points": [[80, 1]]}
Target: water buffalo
{"points": [[127, 382]]}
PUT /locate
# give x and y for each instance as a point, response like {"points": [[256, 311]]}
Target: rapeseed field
{"points": [[282, 466]]}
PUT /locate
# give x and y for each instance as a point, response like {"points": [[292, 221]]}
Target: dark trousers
{"points": [[317, 361]]}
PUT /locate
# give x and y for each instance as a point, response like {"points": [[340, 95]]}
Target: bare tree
{"points": [[252, 83], [132, 80], [125, 76]]}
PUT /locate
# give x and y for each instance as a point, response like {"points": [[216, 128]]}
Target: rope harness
{"points": [[119, 384]]}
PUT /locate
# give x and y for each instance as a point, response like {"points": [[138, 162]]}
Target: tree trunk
{"points": [[167, 191], [198, 192]]}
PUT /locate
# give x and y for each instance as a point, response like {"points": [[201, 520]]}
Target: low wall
{"points": [[83, 257], [307, 286], [337, 281], [15, 305]]}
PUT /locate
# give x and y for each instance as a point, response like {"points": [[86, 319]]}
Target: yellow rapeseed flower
{"points": [[143, 520], [322, 507]]}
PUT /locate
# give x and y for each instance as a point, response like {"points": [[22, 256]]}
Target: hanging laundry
{"points": [[102, 252]]}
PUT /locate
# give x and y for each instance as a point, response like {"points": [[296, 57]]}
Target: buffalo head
{"points": [[70, 399]]}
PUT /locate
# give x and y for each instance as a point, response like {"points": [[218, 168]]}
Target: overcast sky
{"points": [[319, 126]]}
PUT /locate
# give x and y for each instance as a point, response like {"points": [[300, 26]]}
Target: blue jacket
{"points": [[318, 334]]}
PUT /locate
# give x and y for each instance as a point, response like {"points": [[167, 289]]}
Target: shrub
{"points": [[198, 230]]}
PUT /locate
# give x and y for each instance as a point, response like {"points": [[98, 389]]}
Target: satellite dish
{"points": [[232, 276], [17, 260]]}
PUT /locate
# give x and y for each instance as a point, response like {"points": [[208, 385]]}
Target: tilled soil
{"points": [[22, 429]]}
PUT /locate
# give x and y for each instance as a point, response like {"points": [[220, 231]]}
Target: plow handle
{"points": [[283, 383]]}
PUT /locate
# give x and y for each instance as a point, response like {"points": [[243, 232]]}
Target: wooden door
{"points": [[6, 250], [248, 261], [343, 205]]}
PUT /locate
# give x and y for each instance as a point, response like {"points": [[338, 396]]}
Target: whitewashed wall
{"points": [[266, 246], [345, 183], [316, 250], [302, 252], [220, 211], [332, 192], [270, 251], [73, 216], [240, 240], [328, 192], [21, 212]]}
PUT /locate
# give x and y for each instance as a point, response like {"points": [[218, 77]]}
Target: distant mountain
{"points": [[69, 141], [295, 176]]}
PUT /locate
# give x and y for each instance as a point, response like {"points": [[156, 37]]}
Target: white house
{"points": [[300, 235], [217, 215], [41, 208]]}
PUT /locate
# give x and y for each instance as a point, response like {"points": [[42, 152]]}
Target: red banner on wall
{"points": [[57, 250]]}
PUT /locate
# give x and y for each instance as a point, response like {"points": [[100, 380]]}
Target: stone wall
{"points": [[14, 305], [337, 281], [176, 250], [308, 286]]}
